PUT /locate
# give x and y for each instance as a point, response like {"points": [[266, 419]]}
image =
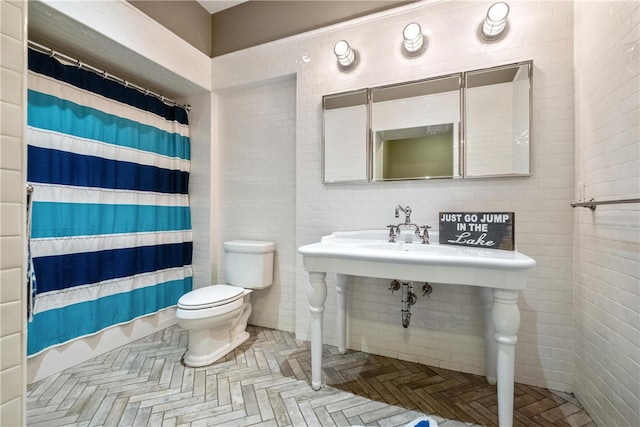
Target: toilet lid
{"points": [[210, 296]]}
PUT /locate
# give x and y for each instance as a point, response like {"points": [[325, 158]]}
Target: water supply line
{"points": [[426, 290]]}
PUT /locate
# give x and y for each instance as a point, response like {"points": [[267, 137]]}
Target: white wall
{"points": [[13, 62], [607, 241], [256, 140], [200, 189], [446, 329]]}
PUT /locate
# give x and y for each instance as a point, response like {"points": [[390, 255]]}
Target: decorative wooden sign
{"points": [[490, 230]]}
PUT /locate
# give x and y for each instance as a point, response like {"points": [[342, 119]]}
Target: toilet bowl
{"points": [[216, 316]]}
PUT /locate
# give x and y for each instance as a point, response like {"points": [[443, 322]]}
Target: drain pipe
{"points": [[408, 299]]}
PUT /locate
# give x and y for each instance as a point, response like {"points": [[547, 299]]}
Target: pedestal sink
{"points": [[498, 274]]}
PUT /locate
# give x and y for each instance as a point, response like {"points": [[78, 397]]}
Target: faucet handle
{"points": [[394, 286], [425, 234], [392, 233]]}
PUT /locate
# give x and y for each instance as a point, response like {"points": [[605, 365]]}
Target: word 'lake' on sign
{"points": [[491, 230]]}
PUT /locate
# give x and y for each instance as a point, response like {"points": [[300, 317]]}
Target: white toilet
{"points": [[216, 316]]}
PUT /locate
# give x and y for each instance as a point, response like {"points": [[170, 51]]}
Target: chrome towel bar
{"points": [[591, 204]]}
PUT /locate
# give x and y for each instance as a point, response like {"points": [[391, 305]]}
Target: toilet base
{"points": [[212, 339], [196, 361]]}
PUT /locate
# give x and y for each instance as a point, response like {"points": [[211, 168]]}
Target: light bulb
{"points": [[346, 56], [496, 20], [413, 39]]}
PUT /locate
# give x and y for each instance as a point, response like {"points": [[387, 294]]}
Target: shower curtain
{"points": [[110, 223]]}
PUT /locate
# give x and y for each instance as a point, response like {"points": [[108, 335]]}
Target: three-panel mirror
{"points": [[465, 125]]}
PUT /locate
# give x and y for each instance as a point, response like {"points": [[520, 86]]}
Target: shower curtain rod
{"points": [[55, 54]]}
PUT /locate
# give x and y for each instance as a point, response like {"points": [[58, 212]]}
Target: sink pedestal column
{"points": [[490, 343], [506, 322], [342, 293], [317, 295]]}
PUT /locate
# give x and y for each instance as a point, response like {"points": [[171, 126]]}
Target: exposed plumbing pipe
{"points": [[408, 299]]}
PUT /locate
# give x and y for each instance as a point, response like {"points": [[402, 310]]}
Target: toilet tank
{"points": [[249, 263]]}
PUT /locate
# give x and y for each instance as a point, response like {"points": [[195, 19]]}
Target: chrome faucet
{"points": [[422, 232], [406, 211]]}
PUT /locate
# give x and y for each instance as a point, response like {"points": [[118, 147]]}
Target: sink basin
{"points": [[368, 253], [409, 247]]}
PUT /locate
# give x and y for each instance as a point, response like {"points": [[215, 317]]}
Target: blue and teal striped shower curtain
{"points": [[110, 223]]}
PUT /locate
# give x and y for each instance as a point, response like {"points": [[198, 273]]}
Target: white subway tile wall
{"points": [[446, 328], [12, 208], [257, 166], [201, 189], [607, 241]]}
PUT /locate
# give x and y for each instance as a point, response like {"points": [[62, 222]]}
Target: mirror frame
{"points": [[462, 131], [464, 141], [343, 104]]}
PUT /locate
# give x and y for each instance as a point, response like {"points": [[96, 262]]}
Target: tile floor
{"points": [[265, 382]]}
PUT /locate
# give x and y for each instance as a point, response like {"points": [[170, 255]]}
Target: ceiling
{"points": [[214, 6], [55, 30]]}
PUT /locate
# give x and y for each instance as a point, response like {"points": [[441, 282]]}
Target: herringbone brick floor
{"points": [[265, 382]]}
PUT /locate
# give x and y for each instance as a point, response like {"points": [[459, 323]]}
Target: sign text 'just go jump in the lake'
{"points": [[490, 230]]}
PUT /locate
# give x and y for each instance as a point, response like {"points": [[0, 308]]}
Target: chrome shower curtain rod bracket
{"points": [[591, 204]]}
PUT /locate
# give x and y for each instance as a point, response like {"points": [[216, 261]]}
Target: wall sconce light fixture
{"points": [[413, 39], [346, 56], [495, 22]]}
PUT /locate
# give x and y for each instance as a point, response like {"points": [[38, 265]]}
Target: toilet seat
{"points": [[209, 297]]}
